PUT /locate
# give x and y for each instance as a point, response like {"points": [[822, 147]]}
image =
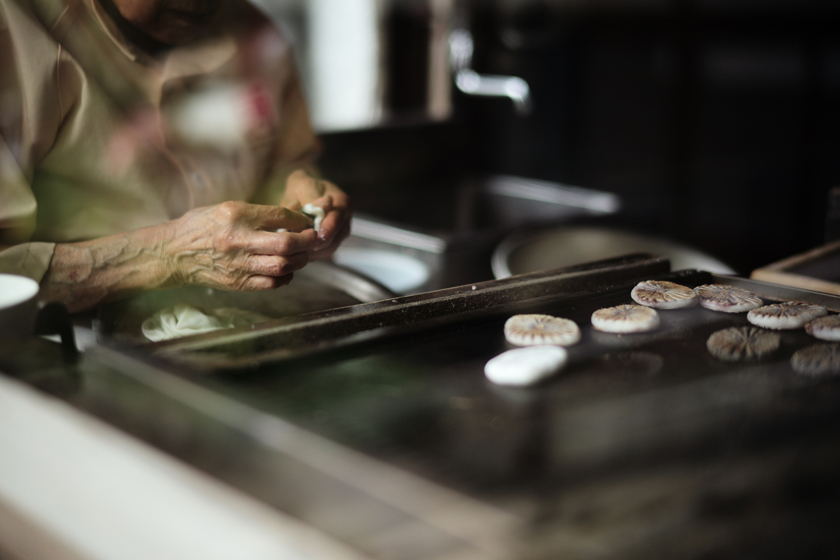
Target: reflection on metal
{"points": [[593, 201], [400, 273], [369, 229], [473, 83]]}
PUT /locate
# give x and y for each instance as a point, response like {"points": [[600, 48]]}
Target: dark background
{"points": [[716, 121]]}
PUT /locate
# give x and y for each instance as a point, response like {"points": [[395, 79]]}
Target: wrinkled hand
{"points": [[302, 189], [234, 246]]}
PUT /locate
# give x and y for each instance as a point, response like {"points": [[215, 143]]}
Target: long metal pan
{"points": [[304, 335]]}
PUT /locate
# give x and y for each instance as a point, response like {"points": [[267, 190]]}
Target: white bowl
{"points": [[18, 307]]}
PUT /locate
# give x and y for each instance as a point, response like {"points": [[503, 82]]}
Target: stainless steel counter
{"points": [[398, 447]]}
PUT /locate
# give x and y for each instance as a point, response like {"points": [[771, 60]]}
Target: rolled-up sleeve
{"points": [[17, 222], [27, 259]]}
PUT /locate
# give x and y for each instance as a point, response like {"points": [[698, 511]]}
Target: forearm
{"points": [[83, 275], [232, 246]]}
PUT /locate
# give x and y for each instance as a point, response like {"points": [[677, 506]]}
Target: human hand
{"points": [[235, 246], [302, 189]]}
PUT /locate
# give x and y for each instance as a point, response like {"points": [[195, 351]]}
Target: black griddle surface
{"points": [[423, 403], [645, 446]]}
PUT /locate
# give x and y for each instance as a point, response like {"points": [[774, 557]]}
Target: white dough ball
{"points": [[525, 366]]}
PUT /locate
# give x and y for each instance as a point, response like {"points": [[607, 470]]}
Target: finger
{"points": [[258, 282], [281, 244], [325, 203], [266, 265], [276, 217], [335, 221], [327, 252], [339, 214], [305, 186], [339, 197]]}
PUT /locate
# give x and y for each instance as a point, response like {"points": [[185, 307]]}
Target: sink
{"points": [[563, 245], [452, 239], [398, 272]]}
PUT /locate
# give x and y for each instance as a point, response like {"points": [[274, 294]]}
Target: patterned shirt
{"points": [[99, 137]]}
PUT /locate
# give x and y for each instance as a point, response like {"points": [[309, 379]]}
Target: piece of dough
{"points": [[185, 320], [742, 343], [727, 299], [316, 213], [663, 295], [537, 330], [525, 366], [819, 359], [627, 318], [825, 328], [786, 315]]}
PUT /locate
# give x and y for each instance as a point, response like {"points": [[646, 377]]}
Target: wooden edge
{"points": [[773, 291], [801, 258], [795, 280]]}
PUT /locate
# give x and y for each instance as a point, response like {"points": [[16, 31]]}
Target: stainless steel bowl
{"points": [[557, 247], [320, 285]]}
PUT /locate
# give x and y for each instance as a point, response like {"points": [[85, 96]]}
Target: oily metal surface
{"points": [[423, 401], [645, 446]]}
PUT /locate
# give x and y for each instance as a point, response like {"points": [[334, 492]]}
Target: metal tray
{"points": [[316, 333]]}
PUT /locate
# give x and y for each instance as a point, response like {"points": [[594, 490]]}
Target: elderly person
{"points": [[132, 132]]}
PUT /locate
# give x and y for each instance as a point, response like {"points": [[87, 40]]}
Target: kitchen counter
{"points": [[645, 446], [72, 487]]}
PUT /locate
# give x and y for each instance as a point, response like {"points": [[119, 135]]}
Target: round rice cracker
{"points": [[663, 295], [525, 366], [819, 359], [538, 330], [825, 328], [727, 299], [786, 315], [737, 344], [625, 319]]}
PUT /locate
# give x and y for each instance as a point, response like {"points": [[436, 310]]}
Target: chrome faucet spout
{"points": [[470, 82], [512, 87]]}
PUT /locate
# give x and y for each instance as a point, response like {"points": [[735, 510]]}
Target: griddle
{"points": [[645, 446], [314, 334]]}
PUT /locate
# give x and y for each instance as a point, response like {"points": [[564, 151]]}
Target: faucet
{"points": [[471, 82]]}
